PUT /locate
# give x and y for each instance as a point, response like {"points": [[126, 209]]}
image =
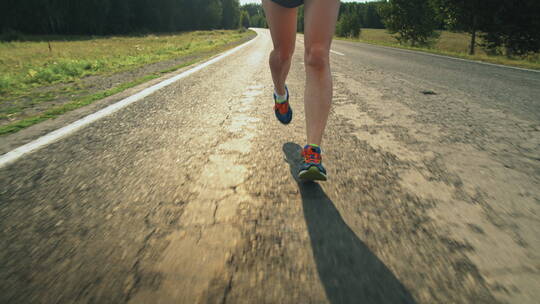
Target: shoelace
{"points": [[311, 156]]}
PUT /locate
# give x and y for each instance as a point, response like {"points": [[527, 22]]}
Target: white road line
{"points": [[64, 131], [331, 51]]}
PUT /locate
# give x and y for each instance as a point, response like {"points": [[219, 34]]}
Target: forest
{"points": [[511, 27], [105, 17]]}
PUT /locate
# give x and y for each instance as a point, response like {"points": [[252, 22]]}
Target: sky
{"points": [[259, 1]]}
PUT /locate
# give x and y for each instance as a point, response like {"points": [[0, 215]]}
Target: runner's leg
{"points": [[320, 18], [282, 23]]}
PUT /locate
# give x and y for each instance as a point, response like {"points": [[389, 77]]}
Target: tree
{"points": [[104, 17], [258, 21], [371, 18], [253, 9], [255, 15], [513, 25], [413, 21], [120, 20], [348, 26], [231, 14], [463, 15], [244, 19]]}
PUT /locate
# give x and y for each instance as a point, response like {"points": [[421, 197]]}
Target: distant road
{"points": [[188, 195]]}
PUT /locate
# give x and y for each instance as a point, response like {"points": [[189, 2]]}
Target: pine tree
{"points": [[514, 25], [414, 21], [348, 25], [231, 14], [463, 15], [244, 19]]}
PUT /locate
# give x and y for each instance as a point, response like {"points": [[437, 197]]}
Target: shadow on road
{"points": [[348, 270]]}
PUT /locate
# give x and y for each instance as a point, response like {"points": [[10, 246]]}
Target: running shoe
{"points": [[312, 168], [283, 109]]}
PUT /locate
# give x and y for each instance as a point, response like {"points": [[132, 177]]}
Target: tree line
{"points": [[104, 17], [252, 15], [510, 27], [355, 16]]}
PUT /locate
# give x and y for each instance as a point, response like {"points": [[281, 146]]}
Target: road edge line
{"points": [[445, 56], [56, 135], [337, 53]]}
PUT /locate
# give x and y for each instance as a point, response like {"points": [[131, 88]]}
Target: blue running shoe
{"points": [[312, 168], [282, 109]]}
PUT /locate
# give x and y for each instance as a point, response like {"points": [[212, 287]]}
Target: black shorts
{"points": [[289, 3]]}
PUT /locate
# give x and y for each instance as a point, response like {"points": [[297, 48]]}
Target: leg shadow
{"points": [[348, 270]]}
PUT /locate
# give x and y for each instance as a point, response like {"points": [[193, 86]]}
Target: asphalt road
{"points": [[512, 90], [187, 196]]}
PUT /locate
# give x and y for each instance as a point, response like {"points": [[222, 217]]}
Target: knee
{"points": [[317, 56], [283, 54]]}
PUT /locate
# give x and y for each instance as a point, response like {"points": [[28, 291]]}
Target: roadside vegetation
{"points": [[453, 44], [504, 32], [56, 56], [51, 72], [31, 64]]}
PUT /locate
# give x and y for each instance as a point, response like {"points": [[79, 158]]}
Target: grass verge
{"points": [[59, 110], [81, 102], [31, 64], [449, 44], [15, 101]]}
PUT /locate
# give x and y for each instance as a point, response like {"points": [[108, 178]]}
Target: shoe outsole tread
{"points": [[312, 174]]}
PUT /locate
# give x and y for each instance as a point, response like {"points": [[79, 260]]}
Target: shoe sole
{"points": [[284, 122], [312, 174]]}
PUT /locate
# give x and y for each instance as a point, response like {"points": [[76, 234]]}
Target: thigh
{"points": [[282, 24], [320, 17]]}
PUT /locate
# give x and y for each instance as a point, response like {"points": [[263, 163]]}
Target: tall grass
{"points": [[5, 83], [31, 64]]}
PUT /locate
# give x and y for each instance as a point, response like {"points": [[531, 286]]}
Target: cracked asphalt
{"points": [[187, 196]]}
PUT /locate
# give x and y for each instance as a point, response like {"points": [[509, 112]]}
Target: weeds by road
{"points": [[41, 80], [449, 44]]}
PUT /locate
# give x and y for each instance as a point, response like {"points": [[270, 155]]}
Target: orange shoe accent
{"points": [[283, 108], [311, 156]]}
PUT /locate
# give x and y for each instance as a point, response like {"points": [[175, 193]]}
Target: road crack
{"points": [[133, 283]]}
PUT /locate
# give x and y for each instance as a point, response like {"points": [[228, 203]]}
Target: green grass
{"points": [[25, 68], [81, 102], [31, 64], [449, 44], [59, 110]]}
